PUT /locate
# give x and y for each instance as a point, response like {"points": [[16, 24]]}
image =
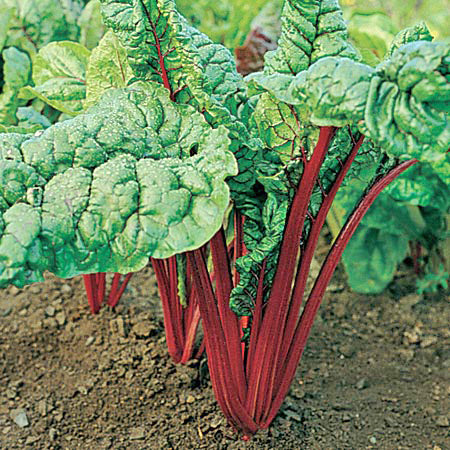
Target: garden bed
{"points": [[374, 375]]}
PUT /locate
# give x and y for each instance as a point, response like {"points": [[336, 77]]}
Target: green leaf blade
{"points": [[107, 197], [59, 76], [108, 68]]}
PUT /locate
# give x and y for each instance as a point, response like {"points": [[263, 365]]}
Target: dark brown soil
{"points": [[375, 375]]}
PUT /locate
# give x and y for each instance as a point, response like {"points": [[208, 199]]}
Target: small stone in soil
{"points": [[90, 340], [137, 433], [362, 384], [117, 326], [442, 421], [428, 341], [216, 422], [31, 440], [66, 289], [292, 415], [52, 434], [42, 408], [19, 416], [60, 318], [50, 311], [347, 350], [14, 290], [11, 393], [190, 399]]}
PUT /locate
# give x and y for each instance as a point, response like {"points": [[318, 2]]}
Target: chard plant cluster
{"points": [[165, 153]]}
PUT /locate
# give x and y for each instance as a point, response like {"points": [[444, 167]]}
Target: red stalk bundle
{"points": [[95, 285], [251, 381], [180, 323]]}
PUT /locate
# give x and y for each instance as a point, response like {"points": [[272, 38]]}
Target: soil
{"points": [[375, 375]]}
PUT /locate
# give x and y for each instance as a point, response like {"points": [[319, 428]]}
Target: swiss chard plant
{"points": [[410, 218], [169, 135], [44, 79]]}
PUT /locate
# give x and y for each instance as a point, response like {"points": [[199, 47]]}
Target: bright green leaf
{"points": [[133, 177], [311, 30], [108, 68], [91, 25], [16, 74], [59, 76]]}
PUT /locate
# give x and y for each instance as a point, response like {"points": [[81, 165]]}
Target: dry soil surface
{"points": [[375, 375]]}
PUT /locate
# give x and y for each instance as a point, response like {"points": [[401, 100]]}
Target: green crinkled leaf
{"points": [[422, 186], [263, 245], [6, 14], [108, 68], [402, 104], [134, 176], [407, 107], [91, 25], [59, 76], [419, 32], [16, 74], [36, 23], [371, 259], [333, 91], [442, 169], [29, 117], [162, 47], [281, 128], [311, 30]]}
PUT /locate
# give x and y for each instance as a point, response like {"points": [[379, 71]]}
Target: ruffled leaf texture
{"points": [[134, 176], [31, 24], [59, 76], [402, 104], [311, 30], [409, 100], [162, 47], [161, 44], [419, 32], [16, 74]]}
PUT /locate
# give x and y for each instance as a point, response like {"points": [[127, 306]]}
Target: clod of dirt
{"points": [[143, 329]]}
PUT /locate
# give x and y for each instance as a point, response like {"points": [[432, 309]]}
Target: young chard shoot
{"points": [[148, 171]]}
